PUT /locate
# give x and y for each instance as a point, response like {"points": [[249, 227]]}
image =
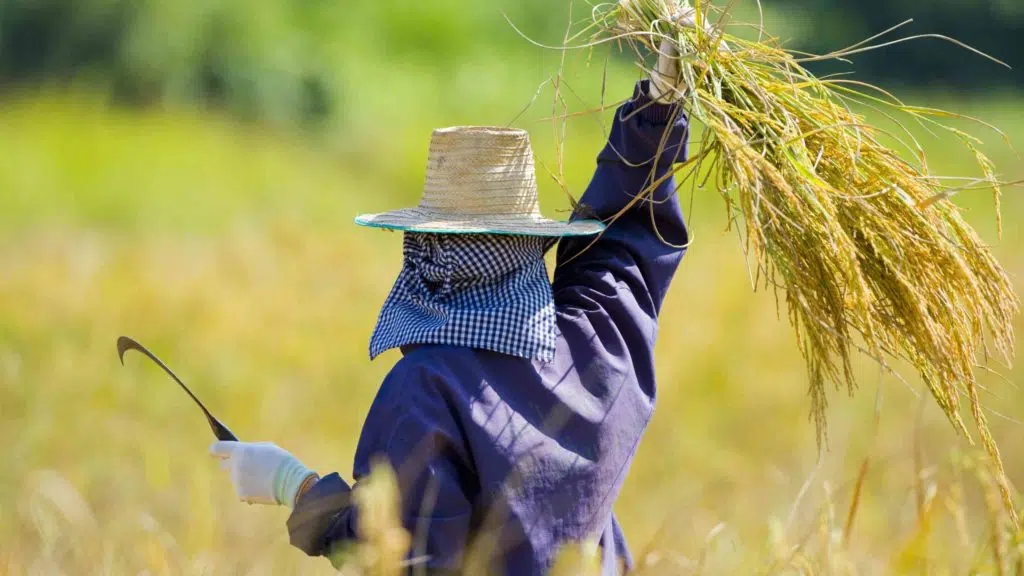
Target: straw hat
{"points": [[479, 181]]}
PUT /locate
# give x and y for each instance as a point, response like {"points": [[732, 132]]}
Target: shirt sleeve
{"points": [[418, 438], [324, 515], [620, 279]]}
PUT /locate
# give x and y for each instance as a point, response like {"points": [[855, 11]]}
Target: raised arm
{"points": [[625, 273]]}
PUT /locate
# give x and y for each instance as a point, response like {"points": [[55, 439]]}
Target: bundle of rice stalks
{"points": [[865, 245]]}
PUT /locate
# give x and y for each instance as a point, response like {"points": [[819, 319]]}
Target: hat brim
{"points": [[430, 222]]}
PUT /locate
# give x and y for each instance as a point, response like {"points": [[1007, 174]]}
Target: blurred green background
{"points": [[186, 172]]}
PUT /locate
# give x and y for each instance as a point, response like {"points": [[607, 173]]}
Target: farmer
{"points": [[518, 404]]}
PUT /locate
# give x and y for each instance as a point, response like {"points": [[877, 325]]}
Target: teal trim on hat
{"points": [[547, 228]]}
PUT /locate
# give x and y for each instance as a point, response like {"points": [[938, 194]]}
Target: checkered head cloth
{"points": [[475, 290]]}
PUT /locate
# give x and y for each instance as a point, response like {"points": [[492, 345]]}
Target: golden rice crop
{"points": [[865, 245]]}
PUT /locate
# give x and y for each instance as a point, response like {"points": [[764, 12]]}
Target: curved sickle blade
{"points": [[221, 431]]}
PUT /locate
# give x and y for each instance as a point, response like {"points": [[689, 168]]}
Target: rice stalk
{"points": [[384, 542], [865, 246], [851, 513]]}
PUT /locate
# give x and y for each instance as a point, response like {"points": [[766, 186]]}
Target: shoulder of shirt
{"points": [[429, 358]]}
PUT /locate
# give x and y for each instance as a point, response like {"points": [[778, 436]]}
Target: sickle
{"points": [[221, 431]]}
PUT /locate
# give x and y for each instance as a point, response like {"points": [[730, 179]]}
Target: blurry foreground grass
{"points": [[229, 251]]}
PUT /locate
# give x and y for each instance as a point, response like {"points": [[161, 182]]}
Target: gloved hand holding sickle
{"points": [[262, 473]]}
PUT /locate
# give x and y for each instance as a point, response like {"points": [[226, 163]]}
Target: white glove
{"points": [[667, 82], [261, 472]]}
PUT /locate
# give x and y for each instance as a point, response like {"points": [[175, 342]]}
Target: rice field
{"points": [[229, 250]]}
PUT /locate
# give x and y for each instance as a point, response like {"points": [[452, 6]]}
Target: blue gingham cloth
{"points": [[484, 291]]}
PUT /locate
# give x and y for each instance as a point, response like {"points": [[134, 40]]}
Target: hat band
{"points": [[506, 205]]}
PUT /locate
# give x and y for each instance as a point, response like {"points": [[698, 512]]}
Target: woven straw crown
{"points": [[479, 181]]}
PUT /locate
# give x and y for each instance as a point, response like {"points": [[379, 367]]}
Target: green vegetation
{"points": [[314, 63], [293, 63]]}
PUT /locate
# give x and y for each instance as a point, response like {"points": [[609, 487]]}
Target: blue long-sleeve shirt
{"points": [[533, 455]]}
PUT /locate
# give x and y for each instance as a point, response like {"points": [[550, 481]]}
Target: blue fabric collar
{"points": [[479, 291]]}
